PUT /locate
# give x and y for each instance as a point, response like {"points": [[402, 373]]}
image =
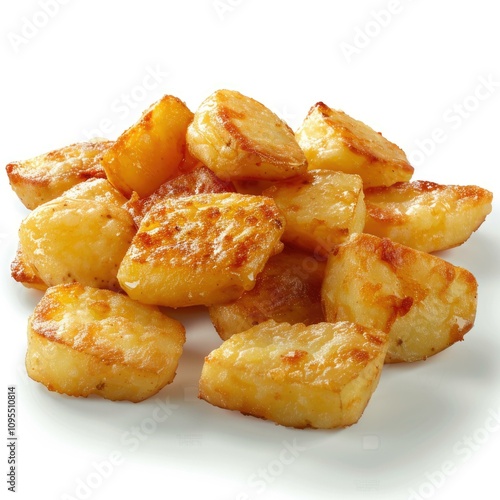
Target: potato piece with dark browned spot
{"points": [[239, 138], [320, 376], [425, 303], [287, 290], [49, 175], [152, 150], [201, 250], [83, 341], [79, 236], [425, 215], [333, 140], [322, 209], [198, 181]]}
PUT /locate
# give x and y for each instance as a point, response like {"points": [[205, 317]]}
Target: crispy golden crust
{"points": [[47, 176], [321, 375], [152, 150], [84, 341], [80, 236], [425, 215], [198, 181], [201, 249], [287, 290], [359, 138], [425, 303], [333, 140], [240, 139], [321, 208]]}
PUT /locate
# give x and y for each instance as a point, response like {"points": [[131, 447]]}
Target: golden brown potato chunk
{"points": [[333, 140], [425, 303], [425, 215], [83, 341], [47, 176], [80, 236], [198, 181], [287, 290], [239, 138], [319, 376], [321, 209], [151, 151], [202, 249]]}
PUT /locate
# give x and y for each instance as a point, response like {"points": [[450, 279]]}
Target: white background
{"points": [[415, 70]]}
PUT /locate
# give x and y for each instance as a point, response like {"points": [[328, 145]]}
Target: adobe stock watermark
{"points": [[258, 482], [131, 440], [223, 7], [34, 23], [463, 451], [452, 118], [366, 32], [121, 107]]}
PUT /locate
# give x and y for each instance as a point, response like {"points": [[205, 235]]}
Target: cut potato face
{"points": [[80, 236], [333, 140], [198, 181], [425, 303], [239, 138], [287, 290], [321, 209], [201, 250], [84, 341], [47, 176], [319, 376], [425, 215], [151, 151]]}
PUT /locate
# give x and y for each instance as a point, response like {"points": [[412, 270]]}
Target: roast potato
{"points": [[333, 140], [197, 181], [321, 209], [83, 341], [151, 151], [425, 215], [47, 176], [239, 138], [320, 376], [424, 303], [80, 236], [287, 290], [202, 249]]}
